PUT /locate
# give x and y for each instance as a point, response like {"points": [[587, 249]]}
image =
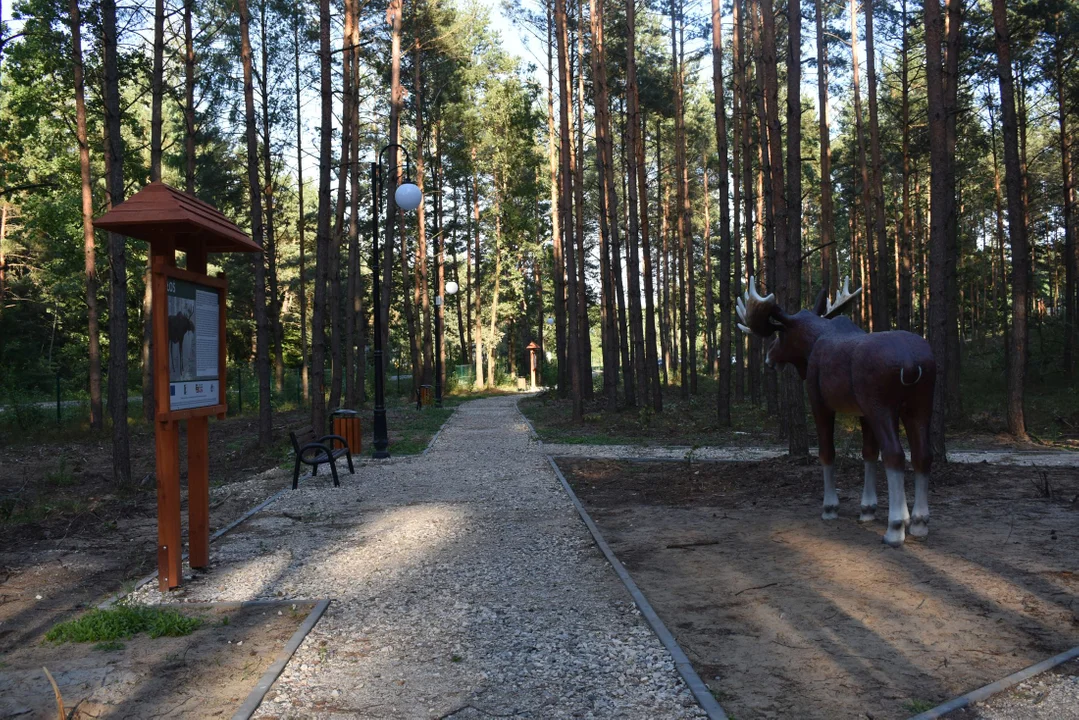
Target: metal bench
{"points": [[315, 451]]}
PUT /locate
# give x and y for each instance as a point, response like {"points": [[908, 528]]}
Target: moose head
{"points": [[762, 316], [882, 377]]}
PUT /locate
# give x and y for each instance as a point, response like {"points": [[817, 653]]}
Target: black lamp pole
{"points": [[382, 440]]}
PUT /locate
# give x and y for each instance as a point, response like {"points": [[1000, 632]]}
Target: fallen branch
{"points": [[686, 546], [755, 587]]}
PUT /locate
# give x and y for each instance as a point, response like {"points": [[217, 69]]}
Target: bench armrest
{"points": [[315, 446], [344, 442]]}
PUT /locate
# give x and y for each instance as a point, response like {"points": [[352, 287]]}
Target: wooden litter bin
{"points": [[347, 424], [427, 395]]}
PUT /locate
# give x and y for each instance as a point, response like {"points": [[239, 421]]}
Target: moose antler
{"points": [[843, 297], [758, 314]]}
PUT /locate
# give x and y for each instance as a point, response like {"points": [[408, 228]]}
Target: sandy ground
{"points": [[785, 615], [206, 674]]}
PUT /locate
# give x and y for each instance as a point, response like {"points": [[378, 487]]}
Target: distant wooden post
{"points": [[193, 387], [533, 360]]}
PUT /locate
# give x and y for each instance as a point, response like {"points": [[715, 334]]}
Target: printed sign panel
{"points": [[194, 317]]}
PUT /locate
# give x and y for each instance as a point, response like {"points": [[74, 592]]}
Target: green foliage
{"points": [[122, 623]]}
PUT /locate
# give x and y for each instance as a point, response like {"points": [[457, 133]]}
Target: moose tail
{"points": [[909, 373]]}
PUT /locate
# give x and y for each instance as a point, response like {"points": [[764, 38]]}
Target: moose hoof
{"points": [[831, 512], [869, 514], [896, 534], [919, 527]]}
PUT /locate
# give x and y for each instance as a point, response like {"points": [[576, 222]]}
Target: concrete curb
{"points": [[995, 687], [681, 662], [258, 694], [696, 686]]}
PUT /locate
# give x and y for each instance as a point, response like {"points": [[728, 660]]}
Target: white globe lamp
{"points": [[408, 196], [451, 288]]}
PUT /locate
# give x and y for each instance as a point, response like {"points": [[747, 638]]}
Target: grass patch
{"points": [[919, 706], [122, 623]]}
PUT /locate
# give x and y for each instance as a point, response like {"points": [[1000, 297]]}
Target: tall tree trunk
{"points": [[642, 372], [1068, 192], [189, 98], [681, 194], [301, 224], [880, 305], [357, 318], [869, 294], [829, 271], [723, 410], [710, 358], [651, 358], [89, 256], [277, 334], [466, 350], [114, 152], [1017, 227], [337, 347], [608, 219], [157, 90], [393, 18], [558, 258], [478, 333], [940, 196], [565, 205], [905, 266], [584, 347], [737, 109], [262, 350], [421, 295], [457, 279], [492, 342], [954, 407], [798, 438], [322, 234], [745, 110]]}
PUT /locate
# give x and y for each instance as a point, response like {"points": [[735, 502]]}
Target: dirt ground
{"points": [[69, 537], [206, 674], [784, 615]]}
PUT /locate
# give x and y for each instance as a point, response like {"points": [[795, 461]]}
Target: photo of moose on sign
{"points": [[193, 345]]}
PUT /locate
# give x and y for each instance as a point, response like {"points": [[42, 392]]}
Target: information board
{"points": [[194, 313]]}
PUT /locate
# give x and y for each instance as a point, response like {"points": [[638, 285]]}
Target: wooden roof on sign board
{"points": [[159, 212]]}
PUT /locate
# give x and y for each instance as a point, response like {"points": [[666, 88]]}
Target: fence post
{"points": [[240, 387], [299, 394], [57, 398]]}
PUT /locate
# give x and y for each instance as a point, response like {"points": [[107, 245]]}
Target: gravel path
{"points": [[464, 586], [1050, 696], [1048, 458]]}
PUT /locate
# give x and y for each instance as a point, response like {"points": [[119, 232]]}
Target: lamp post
{"points": [[407, 197], [451, 289]]}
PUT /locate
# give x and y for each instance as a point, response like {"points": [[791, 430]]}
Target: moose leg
{"points": [[826, 440], [921, 457], [887, 432], [870, 452]]}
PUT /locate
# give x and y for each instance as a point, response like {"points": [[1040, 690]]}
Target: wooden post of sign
{"points": [[166, 432], [198, 462]]}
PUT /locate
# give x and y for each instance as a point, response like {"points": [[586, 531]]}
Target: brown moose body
{"points": [[885, 378]]}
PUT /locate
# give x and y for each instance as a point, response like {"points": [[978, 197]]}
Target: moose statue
{"points": [[882, 377]]}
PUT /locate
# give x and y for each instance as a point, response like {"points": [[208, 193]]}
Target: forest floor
{"points": [[69, 536], [208, 673], [1052, 410], [784, 615]]}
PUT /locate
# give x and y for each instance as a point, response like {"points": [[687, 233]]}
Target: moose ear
{"points": [[820, 307]]}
